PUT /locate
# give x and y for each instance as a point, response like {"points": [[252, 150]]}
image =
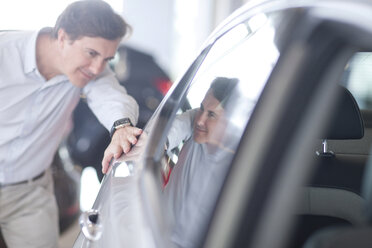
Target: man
{"points": [[202, 162], [42, 75]]}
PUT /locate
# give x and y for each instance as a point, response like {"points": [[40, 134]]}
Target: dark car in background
{"points": [[143, 79], [289, 162]]}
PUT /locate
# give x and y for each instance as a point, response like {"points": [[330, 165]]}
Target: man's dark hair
{"points": [[222, 87], [92, 18]]}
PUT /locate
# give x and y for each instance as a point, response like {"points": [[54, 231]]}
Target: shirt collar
{"points": [[30, 64], [30, 53]]}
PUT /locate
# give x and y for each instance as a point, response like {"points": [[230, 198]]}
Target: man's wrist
{"points": [[124, 122]]}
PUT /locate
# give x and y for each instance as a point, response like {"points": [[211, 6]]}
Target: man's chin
{"points": [[79, 83], [199, 140]]}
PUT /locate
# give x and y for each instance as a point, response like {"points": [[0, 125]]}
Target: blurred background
{"points": [[171, 30], [167, 35]]}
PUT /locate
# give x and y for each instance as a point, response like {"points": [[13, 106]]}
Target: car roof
{"points": [[339, 9]]}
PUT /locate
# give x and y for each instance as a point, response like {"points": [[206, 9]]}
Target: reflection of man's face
{"points": [[207, 118]]}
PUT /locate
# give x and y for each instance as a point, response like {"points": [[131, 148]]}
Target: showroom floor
{"points": [[67, 238]]}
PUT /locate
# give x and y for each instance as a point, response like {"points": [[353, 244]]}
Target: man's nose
{"points": [[201, 120], [96, 66]]}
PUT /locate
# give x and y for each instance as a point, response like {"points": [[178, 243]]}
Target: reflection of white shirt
{"points": [[34, 112], [194, 183]]}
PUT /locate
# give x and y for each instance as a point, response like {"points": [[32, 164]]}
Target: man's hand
{"points": [[121, 141]]}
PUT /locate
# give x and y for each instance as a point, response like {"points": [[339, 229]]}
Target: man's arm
{"points": [[181, 129], [110, 102]]}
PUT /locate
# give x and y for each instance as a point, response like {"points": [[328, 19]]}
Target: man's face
{"points": [[206, 120], [85, 58]]}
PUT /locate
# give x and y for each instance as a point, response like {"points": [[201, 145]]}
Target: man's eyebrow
{"points": [[97, 53], [109, 58], [92, 50], [212, 112]]}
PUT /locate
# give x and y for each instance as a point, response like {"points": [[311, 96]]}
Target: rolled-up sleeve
{"points": [[181, 129], [109, 100]]}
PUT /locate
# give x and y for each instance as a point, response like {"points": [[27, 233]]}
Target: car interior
{"points": [[335, 199]]}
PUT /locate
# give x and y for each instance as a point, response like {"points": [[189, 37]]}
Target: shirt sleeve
{"points": [[181, 129], [109, 100]]}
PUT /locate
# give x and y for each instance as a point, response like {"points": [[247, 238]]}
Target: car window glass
{"points": [[341, 159], [358, 78], [202, 140]]}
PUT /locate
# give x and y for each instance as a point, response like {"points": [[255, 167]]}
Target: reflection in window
{"points": [[202, 140], [123, 169], [202, 158]]}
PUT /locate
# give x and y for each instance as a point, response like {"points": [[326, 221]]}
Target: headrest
{"points": [[347, 122]]}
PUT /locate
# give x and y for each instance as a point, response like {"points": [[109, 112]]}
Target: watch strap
{"points": [[120, 124]]}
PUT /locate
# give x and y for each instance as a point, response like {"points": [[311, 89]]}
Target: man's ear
{"points": [[62, 37]]}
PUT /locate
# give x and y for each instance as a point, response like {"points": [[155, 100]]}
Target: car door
{"points": [[293, 56], [296, 105]]}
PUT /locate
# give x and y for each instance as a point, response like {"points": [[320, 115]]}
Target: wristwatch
{"points": [[119, 124]]}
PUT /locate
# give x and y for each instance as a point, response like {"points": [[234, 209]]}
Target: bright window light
{"points": [[89, 187], [36, 14]]}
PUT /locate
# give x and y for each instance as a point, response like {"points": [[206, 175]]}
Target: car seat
{"points": [[349, 237], [357, 236], [333, 195]]}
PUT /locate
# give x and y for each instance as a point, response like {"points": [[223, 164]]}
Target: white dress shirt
{"points": [[34, 112], [194, 183]]}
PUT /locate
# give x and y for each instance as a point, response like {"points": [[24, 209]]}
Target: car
{"points": [[144, 79], [280, 157]]}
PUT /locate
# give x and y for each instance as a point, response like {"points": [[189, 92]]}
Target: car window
{"points": [[358, 78], [203, 139], [340, 159]]}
